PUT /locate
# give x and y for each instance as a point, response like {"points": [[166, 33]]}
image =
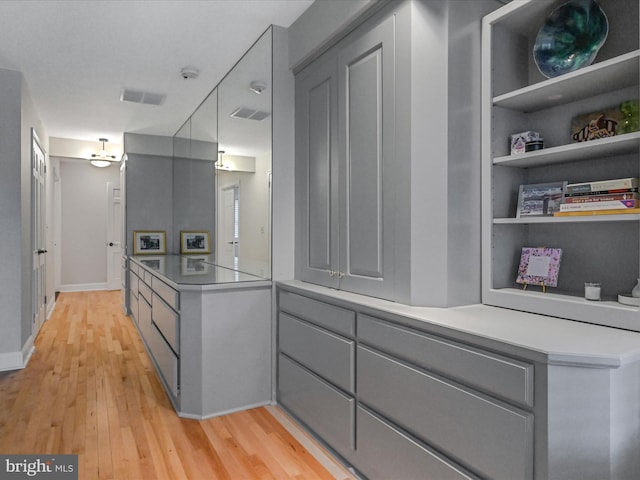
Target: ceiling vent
{"points": [[249, 114], [138, 96]]}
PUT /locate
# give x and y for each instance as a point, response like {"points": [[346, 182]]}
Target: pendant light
{"points": [[101, 159]]}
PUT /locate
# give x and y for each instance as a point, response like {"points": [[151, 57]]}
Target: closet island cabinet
{"points": [[517, 98]]}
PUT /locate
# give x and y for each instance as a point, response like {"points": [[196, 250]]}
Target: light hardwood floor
{"points": [[91, 390]]}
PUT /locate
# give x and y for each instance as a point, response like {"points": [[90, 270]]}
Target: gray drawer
{"points": [[327, 354], [167, 321], [325, 410], [505, 377], [166, 360], [144, 291], [384, 452], [133, 307], [144, 319], [146, 276], [168, 294], [495, 440], [329, 316], [133, 284], [134, 268]]}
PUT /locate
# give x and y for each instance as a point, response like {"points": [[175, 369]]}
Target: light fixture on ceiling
{"points": [[257, 87], [101, 159]]}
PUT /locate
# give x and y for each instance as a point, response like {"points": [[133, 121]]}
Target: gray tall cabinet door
{"points": [[344, 153], [317, 172], [366, 71]]}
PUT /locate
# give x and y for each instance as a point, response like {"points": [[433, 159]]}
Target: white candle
{"points": [[592, 291]]}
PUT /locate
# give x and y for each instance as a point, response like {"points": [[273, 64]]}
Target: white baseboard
{"points": [[51, 305], [83, 287], [17, 360]]}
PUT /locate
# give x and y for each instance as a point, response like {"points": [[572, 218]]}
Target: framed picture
{"points": [[540, 199], [149, 242], [539, 266], [194, 265], [194, 242], [154, 263]]}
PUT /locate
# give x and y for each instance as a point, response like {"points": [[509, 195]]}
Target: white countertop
{"points": [[552, 340]]}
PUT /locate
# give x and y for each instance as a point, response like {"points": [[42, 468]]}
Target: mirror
{"points": [[243, 227], [222, 166], [194, 154]]}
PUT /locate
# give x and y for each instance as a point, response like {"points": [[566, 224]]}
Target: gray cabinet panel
{"points": [[167, 321], [334, 318], [488, 437], [364, 162], [133, 307], [168, 294], [165, 359], [366, 85], [133, 284], [317, 173], [384, 452], [325, 410], [496, 374], [144, 318], [144, 290], [330, 356], [319, 207]]}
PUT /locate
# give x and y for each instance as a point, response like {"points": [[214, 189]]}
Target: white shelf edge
{"points": [[577, 219], [575, 151], [538, 95], [568, 298]]}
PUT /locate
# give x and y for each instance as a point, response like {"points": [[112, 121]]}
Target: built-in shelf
{"points": [[613, 74], [577, 219], [604, 147], [595, 248]]}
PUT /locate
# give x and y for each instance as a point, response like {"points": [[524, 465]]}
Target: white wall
{"points": [[17, 117], [83, 191]]}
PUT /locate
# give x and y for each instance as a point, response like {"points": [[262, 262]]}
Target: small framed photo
{"points": [[149, 242], [540, 199], [194, 242], [539, 266]]}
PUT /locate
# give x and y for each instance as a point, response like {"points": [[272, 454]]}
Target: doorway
{"points": [[38, 233], [229, 227], [114, 235]]}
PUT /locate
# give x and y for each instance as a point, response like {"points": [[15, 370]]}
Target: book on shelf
{"points": [[602, 185], [607, 197], [615, 191], [604, 205], [581, 213]]}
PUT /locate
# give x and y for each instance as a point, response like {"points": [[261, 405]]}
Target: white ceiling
{"points": [[77, 55]]}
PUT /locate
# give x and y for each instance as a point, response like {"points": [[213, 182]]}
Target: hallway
{"points": [[91, 390]]}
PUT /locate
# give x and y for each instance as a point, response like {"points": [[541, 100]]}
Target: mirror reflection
{"points": [[244, 163], [222, 166]]}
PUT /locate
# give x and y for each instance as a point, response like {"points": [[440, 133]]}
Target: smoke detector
{"points": [[189, 73], [257, 87]]}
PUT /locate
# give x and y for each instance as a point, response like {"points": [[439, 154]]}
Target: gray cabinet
{"points": [[316, 368], [393, 401], [387, 157], [345, 148], [158, 324]]}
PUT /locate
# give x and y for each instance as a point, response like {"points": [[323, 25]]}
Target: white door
{"points": [[38, 234], [114, 235], [228, 225]]}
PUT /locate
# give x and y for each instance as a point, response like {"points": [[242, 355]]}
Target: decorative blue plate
{"points": [[570, 37]]}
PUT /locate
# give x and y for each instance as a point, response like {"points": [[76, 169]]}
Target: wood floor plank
{"points": [[90, 389]]}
